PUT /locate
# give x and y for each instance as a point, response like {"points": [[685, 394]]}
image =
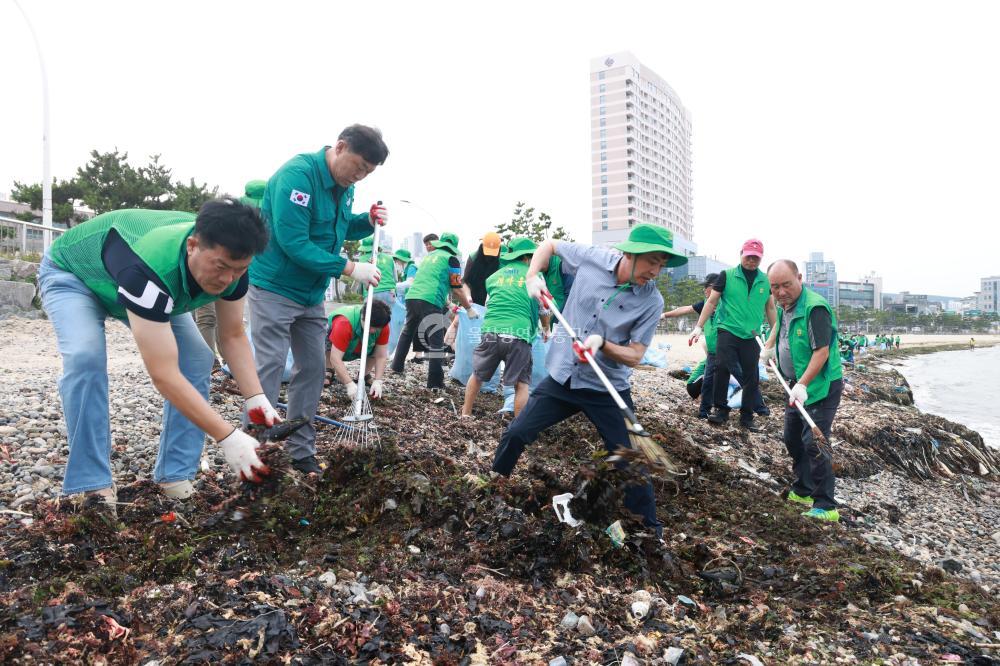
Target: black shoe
{"points": [[702, 415], [718, 417], [750, 425], [307, 465], [763, 411]]}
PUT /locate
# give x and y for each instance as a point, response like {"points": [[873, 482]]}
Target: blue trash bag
{"points": [[289, 361], [466, 341], [538, 372], [656, 356], [396, 323], [736, 393]]}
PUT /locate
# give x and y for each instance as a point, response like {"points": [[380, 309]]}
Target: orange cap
{"points": [[491, 244]]}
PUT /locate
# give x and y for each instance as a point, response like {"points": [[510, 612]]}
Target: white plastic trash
{"points": [[561, 505]]}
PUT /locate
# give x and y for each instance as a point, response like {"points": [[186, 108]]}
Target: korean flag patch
{"points": [[300, 198]]}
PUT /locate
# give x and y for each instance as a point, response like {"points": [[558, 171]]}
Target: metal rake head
{"points": [[359, 429]]}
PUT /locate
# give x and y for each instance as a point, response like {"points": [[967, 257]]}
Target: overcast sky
{"points": [[869, 131]]}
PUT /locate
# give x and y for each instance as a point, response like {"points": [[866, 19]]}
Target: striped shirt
{"points": [[621, 314]]}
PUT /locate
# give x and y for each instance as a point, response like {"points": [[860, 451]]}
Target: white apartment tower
{"points": [[640, 142]]}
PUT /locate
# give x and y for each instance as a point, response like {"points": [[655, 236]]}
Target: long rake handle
{"points": [[359, 396], [629, 414], [317, 417], [784, 384]]}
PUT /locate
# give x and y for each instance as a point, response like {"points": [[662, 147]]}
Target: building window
{"points": [[604, 133], [600, 100], [604, 167], [604, 144], [602, 88], [604, 157], [604, 191], [604, 202], [604, 214], [603, 110], [604, 178], [600, 76], [604, 121]]}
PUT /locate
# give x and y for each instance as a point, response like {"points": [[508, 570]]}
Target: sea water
{"points": [[962, 386]]}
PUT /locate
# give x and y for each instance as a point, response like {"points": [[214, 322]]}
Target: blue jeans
{"points": [[78, 319]]}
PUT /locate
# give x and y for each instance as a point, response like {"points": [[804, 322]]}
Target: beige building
{"points": [[640, 152]]}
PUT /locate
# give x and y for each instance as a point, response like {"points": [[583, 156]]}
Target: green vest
{"points": [[802, 351], [353, 314], [158, 237], [509, 309], [711, 333], [697, 373], [387, 267], [740, 313], [432, 282], [554, 282]]}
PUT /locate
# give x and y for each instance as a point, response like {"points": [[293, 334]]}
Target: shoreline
{"points": [[393, 543]]}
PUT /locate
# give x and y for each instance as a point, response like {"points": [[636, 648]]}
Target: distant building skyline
{"points": [[821, 277], [640, 144]]}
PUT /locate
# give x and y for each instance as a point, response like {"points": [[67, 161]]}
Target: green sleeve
{"points": [[360, 226], [291, 222]]}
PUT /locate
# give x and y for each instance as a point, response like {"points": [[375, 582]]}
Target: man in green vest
{"points": [[706, 370], [439, 273], [307, 206], [741, 297], [346, 333], [509, 328], [385, 291], [804, 342], [151, 269]]}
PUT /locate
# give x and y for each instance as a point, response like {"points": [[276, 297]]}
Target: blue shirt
{"points": [[598, 304]]}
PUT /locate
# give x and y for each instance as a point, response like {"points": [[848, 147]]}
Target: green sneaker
{"points": [[829, 515], [792, 497]]}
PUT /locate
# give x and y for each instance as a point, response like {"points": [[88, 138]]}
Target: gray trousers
{"points": [[277, 323]]}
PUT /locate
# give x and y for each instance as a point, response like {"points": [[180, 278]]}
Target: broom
{"points": [[818, 435], [639, 438]]}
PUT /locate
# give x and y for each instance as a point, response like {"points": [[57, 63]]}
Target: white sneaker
{"points": [[177, 489]]}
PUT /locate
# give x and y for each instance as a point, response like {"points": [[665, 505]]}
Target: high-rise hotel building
{"points": [[640, 142]]}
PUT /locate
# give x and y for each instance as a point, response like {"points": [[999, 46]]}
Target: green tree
{"points": [[191, 196], [65, 195], [524, 223]]}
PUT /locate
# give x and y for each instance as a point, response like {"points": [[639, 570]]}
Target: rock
{"points": [[389, 505], [6, 431], [962, 608], [585, 627], [558, 661], [17, 294], [328, 579], [951, 565], [444, 629], [754, 661], [569, 620], [673, 655], [44, 470], [413, 549]]}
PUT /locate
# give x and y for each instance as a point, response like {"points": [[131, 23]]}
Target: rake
{"points": [[361, 430], [818, 435], [639, 438]]}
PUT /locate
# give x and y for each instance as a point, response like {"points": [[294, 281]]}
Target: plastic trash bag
{"points": [[466, 341], [656, 356], [396, 322], [736, 393]]}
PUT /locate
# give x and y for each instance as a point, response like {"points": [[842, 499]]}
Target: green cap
{"points": [[651, 238], [518, 247], [448, 241], [368, 241], [253, 193], [403, 255]]}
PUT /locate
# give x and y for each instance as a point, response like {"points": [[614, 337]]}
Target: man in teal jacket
{"points": [[307, 207]]}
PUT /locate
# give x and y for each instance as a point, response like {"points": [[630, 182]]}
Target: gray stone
{"points": [[44, 470], [6, 269], [558, 661], [673, 655], [585, 626], [23, 270], [569, 620], [16, 294]]}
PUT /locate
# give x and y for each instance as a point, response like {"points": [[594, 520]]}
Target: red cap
{"points": [[753, 248]]}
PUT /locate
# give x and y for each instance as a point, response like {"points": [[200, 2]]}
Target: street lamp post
{"points": [[46, 167]]}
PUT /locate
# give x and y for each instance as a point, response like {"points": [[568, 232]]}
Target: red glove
{"points": [[378, 214]]}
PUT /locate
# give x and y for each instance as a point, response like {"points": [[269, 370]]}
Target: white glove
{"points": [[592, 344], [799, 394], [239, 449], [376, 391], [472, 312], [366, 273], [352, 390], [260, 411], [695, 334], [536, 288], [767, 354]]}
